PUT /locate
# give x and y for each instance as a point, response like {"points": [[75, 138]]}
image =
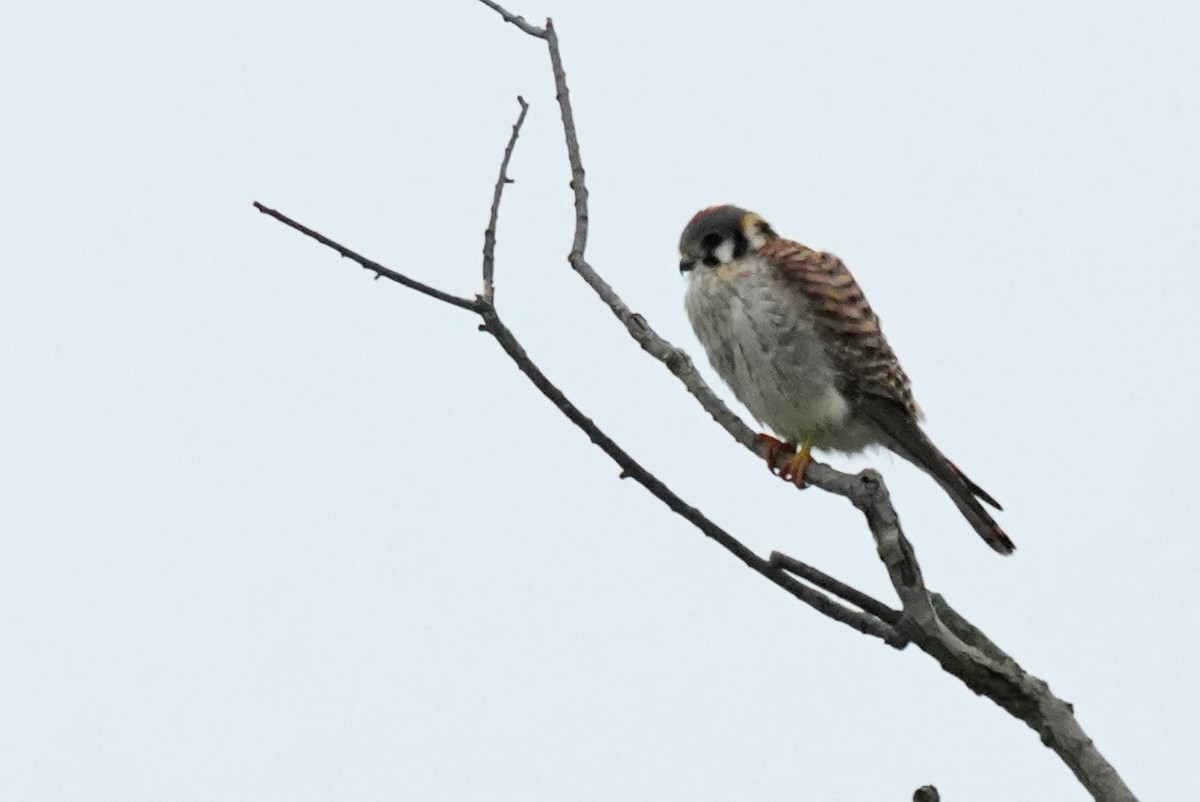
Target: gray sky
{"points": [[275, 531]]}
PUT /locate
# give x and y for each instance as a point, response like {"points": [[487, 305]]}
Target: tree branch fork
{"points": [[925, 618]]}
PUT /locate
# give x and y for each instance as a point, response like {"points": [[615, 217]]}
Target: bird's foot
{"points": [[794, 469], [774, 446], [797, 467]]}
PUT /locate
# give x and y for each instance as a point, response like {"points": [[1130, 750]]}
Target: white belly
{"points": [[761, 340]]}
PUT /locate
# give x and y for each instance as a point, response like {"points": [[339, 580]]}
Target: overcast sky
{"points": [[272, 530]]}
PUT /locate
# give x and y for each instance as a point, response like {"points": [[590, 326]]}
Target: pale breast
{"points": [[760, 338]]}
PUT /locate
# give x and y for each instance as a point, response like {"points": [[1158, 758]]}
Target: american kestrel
{"points": [[793, 336]]}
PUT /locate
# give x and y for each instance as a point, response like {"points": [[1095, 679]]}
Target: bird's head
{"points": [[720, 235]]}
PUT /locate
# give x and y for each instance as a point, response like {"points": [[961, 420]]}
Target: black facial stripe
{"points": [[710, 244]]}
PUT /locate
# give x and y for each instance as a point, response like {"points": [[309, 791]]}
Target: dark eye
{"points": [[711, 242]]}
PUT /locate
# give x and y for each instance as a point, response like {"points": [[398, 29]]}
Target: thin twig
{"points": [[489, 235], [374, 267], [513, 19], [578, 182], [675, 359], [816, 576], [493, 325]]}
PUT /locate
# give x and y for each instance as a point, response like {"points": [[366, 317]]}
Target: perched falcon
{"points": [[793, 336]]}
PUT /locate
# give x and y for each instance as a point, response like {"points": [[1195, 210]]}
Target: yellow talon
{"points": [[797, 466]]}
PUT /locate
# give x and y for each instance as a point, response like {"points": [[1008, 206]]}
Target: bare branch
{"points": [[578, 183], [824, 581], [483, 306], [513, 19], [676, 359], [926, 620], [493, 325], [982, 666], [489, 235], [374, 267], [964, 651], [863, 622], [860, 621]]}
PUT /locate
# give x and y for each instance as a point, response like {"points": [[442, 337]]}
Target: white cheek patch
{"points": [[724, 252]]}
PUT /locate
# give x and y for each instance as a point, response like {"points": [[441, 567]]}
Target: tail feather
{"points": [[906, 438], [975, 489]]}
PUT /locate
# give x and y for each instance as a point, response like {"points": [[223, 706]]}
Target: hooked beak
{"points": [[686, 264]]}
